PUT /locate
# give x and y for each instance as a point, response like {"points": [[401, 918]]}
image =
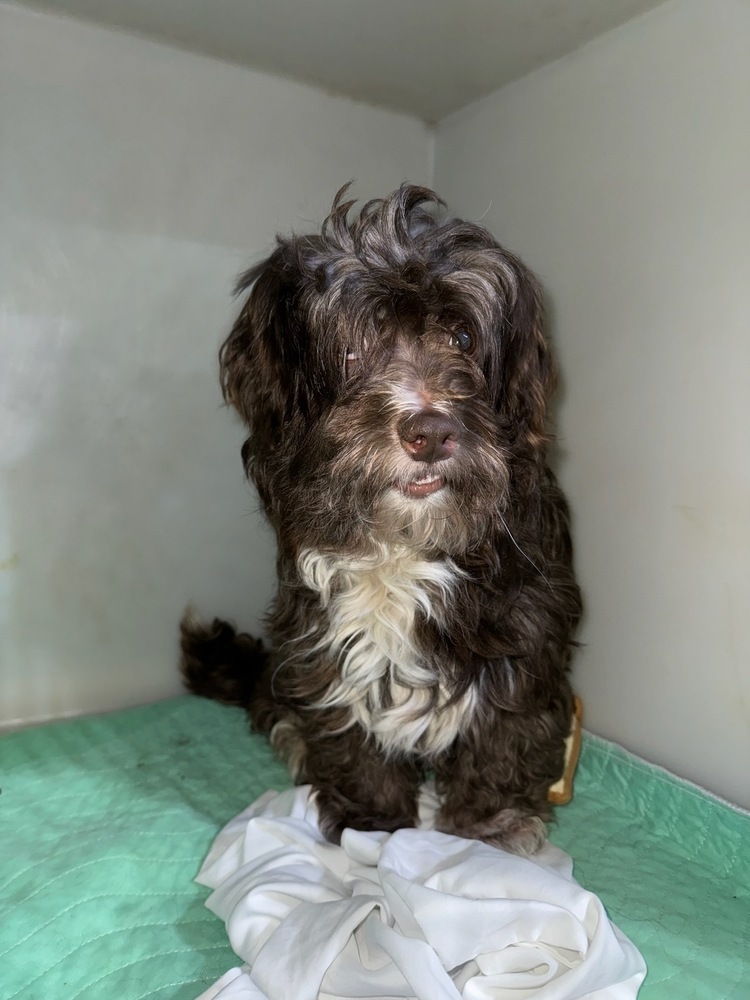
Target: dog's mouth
{"points": [[422, 487]]}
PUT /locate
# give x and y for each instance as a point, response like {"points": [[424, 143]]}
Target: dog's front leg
{"points": [[357, 786], [494, 783]]}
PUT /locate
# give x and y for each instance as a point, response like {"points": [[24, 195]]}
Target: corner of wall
{"points": [[431, 152]]}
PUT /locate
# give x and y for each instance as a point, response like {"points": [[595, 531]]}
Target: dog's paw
{"points": [[510, 829], [517, 833], [337, 813]]}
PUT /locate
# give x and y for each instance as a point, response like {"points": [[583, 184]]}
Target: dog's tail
{"points": [[218, 662]]}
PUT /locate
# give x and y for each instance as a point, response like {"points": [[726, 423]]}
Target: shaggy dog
{"points": [[393, 375]]}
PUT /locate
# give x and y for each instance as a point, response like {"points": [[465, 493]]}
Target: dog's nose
{"points": [[429, 436]]}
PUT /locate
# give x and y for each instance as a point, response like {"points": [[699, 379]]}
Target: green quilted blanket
{"points": [[104, 823]]}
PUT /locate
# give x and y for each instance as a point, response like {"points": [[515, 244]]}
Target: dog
{"points": [[394, 376]]}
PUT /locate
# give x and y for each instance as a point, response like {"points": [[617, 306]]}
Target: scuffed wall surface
{"points": [[137, 181]]}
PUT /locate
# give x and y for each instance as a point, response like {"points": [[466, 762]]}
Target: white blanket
{"points": [[413, 914]]}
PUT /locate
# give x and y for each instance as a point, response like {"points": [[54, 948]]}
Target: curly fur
{"points": [[394, 377]]}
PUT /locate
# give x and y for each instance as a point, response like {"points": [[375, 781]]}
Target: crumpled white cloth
{"points": [[413, 914]]}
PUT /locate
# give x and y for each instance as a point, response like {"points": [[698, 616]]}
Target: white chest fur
{"points": [[389, 686]]}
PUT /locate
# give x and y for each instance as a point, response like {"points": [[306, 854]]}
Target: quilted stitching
{"points": [[105, 822], [673, 866]]}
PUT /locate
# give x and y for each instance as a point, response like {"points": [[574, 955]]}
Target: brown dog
{"points": [[393, 374]]}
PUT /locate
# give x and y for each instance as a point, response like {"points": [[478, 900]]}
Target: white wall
{"points": [[621, 174], [136, 182]]}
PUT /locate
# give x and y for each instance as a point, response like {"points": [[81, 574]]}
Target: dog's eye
{"points": [[461, 339], [352, 362], [353, 358]]}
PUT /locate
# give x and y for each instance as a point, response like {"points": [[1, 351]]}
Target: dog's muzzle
{"points": [[428, 436]]}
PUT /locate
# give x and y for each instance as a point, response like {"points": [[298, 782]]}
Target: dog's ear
{"points": [[528, 373], [261, 355]]}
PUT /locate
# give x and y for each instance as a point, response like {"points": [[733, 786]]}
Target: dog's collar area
{"points": [[423, 487]]}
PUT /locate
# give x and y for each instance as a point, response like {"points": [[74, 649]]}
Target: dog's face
{"points": [[391, 370]]}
